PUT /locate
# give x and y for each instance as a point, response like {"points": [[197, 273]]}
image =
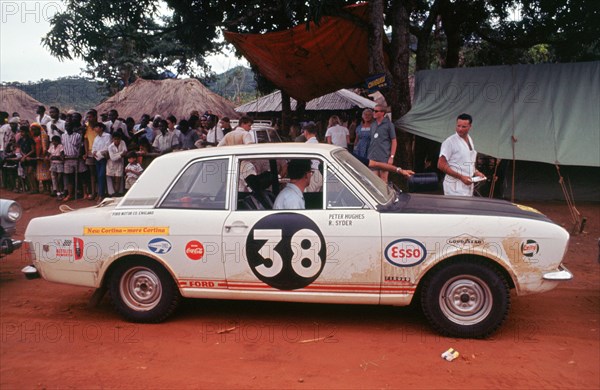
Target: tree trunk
{"points": [[400, 91], [286, 114]]}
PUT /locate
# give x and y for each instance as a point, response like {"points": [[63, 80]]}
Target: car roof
{"points": [[161, 172], [282, 147]]}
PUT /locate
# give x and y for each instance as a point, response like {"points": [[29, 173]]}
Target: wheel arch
{"points": [[107, 274], [463, 257]]}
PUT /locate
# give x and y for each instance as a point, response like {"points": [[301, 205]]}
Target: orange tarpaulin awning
{"points": [[310, 63]]}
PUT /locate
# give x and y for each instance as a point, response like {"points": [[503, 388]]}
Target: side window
{"points": [[339, 195], [202, 186]]}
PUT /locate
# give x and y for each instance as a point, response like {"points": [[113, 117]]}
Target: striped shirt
{"points": [[72, 144]]}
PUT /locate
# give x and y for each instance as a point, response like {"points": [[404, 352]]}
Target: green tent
{"points": [[546, 113]]}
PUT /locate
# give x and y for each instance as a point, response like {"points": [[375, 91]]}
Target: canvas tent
{"points": [[308, 61], [545, 113], [337, 101], [15, 100], [535, 114], [167, 97]]}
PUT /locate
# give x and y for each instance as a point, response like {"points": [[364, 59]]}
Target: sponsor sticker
{"points": [[67, 248], [405, 252], [159, 246], [529, 248], [124, 230], [194, 250], [465, 241]]}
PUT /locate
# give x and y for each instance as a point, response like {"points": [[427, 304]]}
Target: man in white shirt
{"points": [[291, 198], [457, 159], [115, 124], [55, 126], [100, 153], [42, 118]]}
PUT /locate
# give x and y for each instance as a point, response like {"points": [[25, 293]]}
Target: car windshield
{"points": [[377, 187]]}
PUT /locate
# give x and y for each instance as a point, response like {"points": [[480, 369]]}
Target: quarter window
{"points": [[202, 186]]}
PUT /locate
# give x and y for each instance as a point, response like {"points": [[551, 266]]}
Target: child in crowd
{"points": [[56, 155], [133, 170], [114, 166]]}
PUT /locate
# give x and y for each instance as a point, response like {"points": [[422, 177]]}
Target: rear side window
{"points": [[202, 186]]}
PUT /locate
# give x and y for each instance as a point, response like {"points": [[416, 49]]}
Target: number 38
{"points": [[305, 245]]}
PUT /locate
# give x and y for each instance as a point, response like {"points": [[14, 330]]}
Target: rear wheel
{"points": [[465, 299], [143, 291]]}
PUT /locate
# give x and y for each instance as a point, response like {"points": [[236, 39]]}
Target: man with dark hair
{"points": [[100, 154], [55, 126], [42, 118], [457, 159], [291, 198], [114, 124]]}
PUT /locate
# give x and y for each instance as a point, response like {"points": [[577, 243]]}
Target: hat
{"points": [[14, 119]]}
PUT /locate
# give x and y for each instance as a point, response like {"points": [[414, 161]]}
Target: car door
{"points": [[328, 252], [195, 209]]}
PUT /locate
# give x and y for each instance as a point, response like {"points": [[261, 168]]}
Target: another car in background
{"points": [[10, 213]]}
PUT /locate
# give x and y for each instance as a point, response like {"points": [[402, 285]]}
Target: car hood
{"points": [[436, 204]]}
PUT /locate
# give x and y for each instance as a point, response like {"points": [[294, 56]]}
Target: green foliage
{"points": [[237, 84], [65, 93]]}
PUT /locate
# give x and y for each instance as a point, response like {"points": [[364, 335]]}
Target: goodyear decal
{"points": [[124, 230], [405, 252], [159, 246]]}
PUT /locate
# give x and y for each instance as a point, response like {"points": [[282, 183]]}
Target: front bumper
{"points": [[8, 245], [559, 275]]}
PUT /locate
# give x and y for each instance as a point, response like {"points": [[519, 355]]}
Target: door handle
{"points": [[236, 225]]}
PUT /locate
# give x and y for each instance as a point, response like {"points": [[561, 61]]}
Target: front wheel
{"points": [[467, 299], [143, 291]]}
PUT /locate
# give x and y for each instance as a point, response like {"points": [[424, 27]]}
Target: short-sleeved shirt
{"points": [[382, 134], [290, 198], [238, 136], [339, 135], [461, 159]]}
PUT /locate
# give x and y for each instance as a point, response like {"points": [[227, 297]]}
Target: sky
{"points": [[22, 56]]}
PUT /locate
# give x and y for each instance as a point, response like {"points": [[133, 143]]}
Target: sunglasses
{"points": [[378, 111]]}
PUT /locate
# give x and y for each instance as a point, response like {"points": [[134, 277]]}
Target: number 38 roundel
{"points": [[286, 251]]}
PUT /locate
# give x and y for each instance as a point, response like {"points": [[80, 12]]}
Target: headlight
{"points": [[14, 212]]}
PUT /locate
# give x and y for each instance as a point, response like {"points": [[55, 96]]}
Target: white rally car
{"points": [[200, 224]]}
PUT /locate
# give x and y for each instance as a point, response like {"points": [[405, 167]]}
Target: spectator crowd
{"points": [[68, 156]]}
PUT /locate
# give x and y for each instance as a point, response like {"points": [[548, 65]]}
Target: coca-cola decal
{"points": [[194, 250]]}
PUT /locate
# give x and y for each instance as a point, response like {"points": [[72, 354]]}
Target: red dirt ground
{"points": [[50, 338]]}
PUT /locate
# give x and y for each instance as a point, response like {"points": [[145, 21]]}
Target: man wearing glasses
{"points": [[382, 147]]}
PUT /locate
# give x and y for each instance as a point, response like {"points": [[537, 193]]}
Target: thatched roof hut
{"points": [[167, 97], [13, 99]]}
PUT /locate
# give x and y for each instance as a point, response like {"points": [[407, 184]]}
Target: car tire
{"points": [[143, 291], [466, 299]]}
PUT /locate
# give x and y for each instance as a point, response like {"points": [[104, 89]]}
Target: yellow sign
{"points": [[124, 230]]}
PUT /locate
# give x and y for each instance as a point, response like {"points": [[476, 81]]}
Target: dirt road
{"points": [[50, 338]]}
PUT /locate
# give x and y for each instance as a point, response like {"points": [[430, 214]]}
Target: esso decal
{"points": [[286, 251], [405, 252], [194, 250]]}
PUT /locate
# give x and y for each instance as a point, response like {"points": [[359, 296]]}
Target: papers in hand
{"points": [[477, 179]]}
